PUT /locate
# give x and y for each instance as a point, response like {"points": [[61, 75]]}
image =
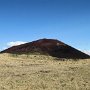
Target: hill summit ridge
{"points": [[52, 47]]}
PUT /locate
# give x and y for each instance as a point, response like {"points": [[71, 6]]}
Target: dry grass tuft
{"points": [[39, 72]]}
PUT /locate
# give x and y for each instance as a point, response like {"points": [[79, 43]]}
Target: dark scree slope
{"points": [[51, 47]]}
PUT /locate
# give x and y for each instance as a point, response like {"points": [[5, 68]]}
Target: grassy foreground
{"points": [[39, 72]]}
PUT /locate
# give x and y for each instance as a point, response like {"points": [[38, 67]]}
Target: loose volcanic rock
{"points": [[51, 47]]}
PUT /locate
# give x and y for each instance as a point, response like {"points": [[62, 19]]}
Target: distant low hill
{"points": [[51, 47]]}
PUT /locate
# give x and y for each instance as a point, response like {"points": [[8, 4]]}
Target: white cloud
{"points": [[10, 44], [87, 52]]}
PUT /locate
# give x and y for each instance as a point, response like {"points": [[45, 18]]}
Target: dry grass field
{"points": [[39, 72]]}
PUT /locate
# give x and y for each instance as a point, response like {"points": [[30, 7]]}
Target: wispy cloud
{"points": [[87, 52], [12, 43], [15, 43]]}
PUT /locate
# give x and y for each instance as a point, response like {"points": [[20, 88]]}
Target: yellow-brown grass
{"points": [[39, 72]]}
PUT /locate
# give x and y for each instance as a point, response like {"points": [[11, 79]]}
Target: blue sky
{"points": [[28, 20]]}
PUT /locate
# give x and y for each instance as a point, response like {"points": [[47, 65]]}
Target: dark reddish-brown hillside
{"points": [[52, 47]]}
